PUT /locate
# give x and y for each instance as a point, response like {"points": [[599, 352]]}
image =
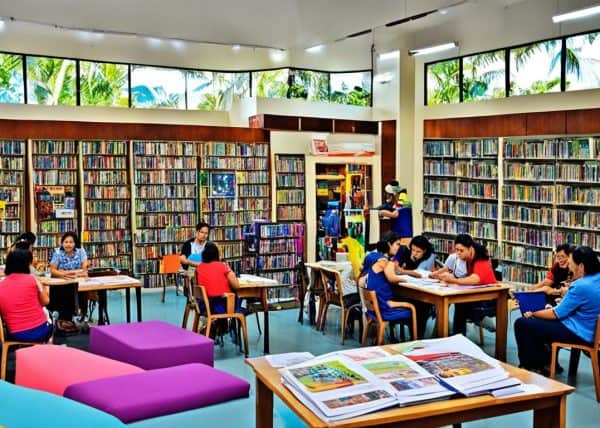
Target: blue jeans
{"points": [[534, 339], [37, 334]]}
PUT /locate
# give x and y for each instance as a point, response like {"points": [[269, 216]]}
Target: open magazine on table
{"points": [[350, 383]]}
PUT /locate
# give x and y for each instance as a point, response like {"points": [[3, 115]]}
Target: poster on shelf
{"points": [[222, 185], [53, 202]]}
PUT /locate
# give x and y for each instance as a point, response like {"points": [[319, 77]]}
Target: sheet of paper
{"points": [[288, 359]]}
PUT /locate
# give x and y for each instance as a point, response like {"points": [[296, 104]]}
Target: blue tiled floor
{"points": [[287, 335]]}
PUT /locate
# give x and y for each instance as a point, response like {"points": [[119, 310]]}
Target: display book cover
{"points": [[350, 383], [530, 301]]}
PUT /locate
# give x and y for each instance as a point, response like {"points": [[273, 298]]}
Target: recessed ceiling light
{"points": [[389, 55]]}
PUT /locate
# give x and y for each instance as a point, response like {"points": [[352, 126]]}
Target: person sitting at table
{"points": [[26, 240], [479, 272], [69, 261], [573, 320], [22, 299], [418, 255], [453, 264], [558, 277], [192, 250]]}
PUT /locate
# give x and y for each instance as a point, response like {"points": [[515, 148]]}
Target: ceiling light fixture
{"points": [[314, 49], [236, 47], [433, 49], [444, 10], [576, 14], [389, 55]]}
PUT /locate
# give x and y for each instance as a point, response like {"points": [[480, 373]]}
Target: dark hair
{"points": [[210, 253], [18, 261], [481, 252], [388, 239], [26, 236], [72, 235], [199, 226], [567, 248], [22, 244], [586, 255], [423, 243]]}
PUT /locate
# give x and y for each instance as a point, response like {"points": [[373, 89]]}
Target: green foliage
{"points": [[51, 81], [272, 83], [11, 78], [310, 85], [476, 84], [442, 81], [103, 84]]}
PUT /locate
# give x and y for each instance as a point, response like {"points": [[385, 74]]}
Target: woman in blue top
{"points": [[572, 321], [69, 261]]}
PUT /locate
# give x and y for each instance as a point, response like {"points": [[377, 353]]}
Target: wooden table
{"points": [[258, 290], [101, 284], [549, 406], [443, 297]]}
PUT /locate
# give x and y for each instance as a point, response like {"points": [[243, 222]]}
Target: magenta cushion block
{"points": [[159, 392], [151, 344]]}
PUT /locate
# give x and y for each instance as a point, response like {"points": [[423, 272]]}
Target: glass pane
{"points": [[11, 78], [442, 82], [484, 76], [310, 85], [270, 83], [103, 84], [215, 91], [154, 87], [51, 81], [351, 88], [535, 68], [583, 62]]}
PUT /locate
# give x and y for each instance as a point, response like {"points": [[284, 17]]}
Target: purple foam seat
{"points": [[159, 392], [151, 344]]}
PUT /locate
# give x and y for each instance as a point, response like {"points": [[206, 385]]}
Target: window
{"points": [[310, 85], [535, 68], [442, 82], [351, 88], [215, 91], [51, 81], [270, 83], [104, 84], [484, 76], [155, 87], [583, 62], [11, 79]]}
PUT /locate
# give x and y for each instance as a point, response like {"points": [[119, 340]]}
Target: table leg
{"points": [[264, 405], [574, 361], [266, 321], [551, 417], [138, 301], [128, 303], [501, 325], [441, 307], [101, 307]]}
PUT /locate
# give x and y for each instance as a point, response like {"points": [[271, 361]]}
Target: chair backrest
{"points": [[170, 263], [332, 282], [191, 297], [316, 282], [597, 335], [2, 337], [369, 301], [199, 292]]}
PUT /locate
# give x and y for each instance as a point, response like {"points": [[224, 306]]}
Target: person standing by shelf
{"points": [[69, 261], [558, 278], [191, 252], [397, 209]]}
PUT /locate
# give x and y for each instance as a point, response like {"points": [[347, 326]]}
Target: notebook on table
{"points": [[530, 301]]}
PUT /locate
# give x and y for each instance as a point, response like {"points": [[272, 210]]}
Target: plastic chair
{"points": [[169, 265], [7, 344], [200, 293], [593, 352], [372, 315]]}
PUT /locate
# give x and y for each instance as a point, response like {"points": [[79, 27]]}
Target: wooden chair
{"points": [[7, 344], [332, 283], [303, 288], [372, 315], [191, 305], [200, 293], [575, 350], [170, 265], [316, 289]]}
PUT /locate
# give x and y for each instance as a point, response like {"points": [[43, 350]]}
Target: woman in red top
{"points": [[479, 272], [22, 298], [216, 277]]}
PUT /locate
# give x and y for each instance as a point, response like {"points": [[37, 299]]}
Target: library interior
{"points": [[339, 213]]}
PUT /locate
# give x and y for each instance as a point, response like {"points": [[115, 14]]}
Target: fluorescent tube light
{"points": [[314, 49], [576, 14], [433, 49], [389, 55]]}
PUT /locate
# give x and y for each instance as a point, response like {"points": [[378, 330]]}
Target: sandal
{"points": [[66, 325]]}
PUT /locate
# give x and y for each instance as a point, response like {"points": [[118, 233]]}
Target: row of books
{"points": [[577, 195], [164, 148], [168, 234], [439, 167], [591, 238], [217, 204], [10, 211], [232, 218], [123, 262], [283, 180], [290, 213], [275, 230], [106, 234], [11, 178], [478, 169], [104, 148], [50, 147], [529, 235], [56, 226], [529, 193], [226, 233], [108, 249], [283, 245], [477, 229], [165, 177], [109, 177], [234, 149], [12, 148], [257, 164], [289, 164], [10, 226], [352, 382], [105, 162], [573, 218], [149, 220], [530, 149], [440, 187], [534, 215], [12, 162], [254, 190], [290, 196], [147, 162], [102, 222], [105, 192], [155, 251], [589, 172], [163, 205], [476, 148], [56, 177], [108, 206], [148, 191], [536, 256], [277, 261], [54, 162], [252, 177], [477, 190], [438, 205], [528, 171], [481, 210], [10, 194], [522, 274]]}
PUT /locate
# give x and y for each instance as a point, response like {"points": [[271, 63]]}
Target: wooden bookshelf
{"points": [[106, 231], [55, 193], [165, 200], [12, 192], [290, 188]]}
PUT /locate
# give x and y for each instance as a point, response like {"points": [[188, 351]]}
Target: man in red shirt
{"points": [[479, 272]]}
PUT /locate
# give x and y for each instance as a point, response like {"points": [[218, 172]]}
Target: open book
{"points": [[350, 383]]}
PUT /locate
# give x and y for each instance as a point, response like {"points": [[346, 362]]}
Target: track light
{"points": [[576, 14], [433, 49]]}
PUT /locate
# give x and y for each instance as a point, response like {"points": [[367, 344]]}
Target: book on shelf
{"points": [[350, 383]]}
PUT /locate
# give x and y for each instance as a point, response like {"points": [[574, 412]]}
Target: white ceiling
{"points": [[285, 24]]}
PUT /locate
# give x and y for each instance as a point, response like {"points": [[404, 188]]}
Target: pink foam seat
{"points": [[53, 368]]}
